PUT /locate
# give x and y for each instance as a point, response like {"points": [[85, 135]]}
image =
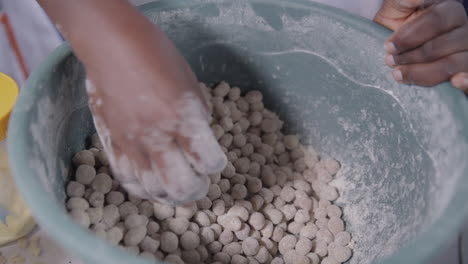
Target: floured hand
{"points": [[154, 123], [146, 101]]}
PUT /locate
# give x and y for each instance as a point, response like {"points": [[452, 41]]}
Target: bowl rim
{"points": [[418, 250]]}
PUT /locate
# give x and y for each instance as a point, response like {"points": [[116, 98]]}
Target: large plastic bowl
{"points": [[403, 149]]}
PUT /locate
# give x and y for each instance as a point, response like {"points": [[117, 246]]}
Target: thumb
{"points": [[395, 13]]}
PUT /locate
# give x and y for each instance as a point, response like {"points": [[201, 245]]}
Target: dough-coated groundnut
{"points": [[320, 213], [186, 211], [85, 174], [75, 189], [194, 227], [290, 257], [226, 237], [238, 179], [214, 247], [96, 142], [250, 246], [303, 246], [239, 191], [203, 252], [343, 238], [126, 209], [201, 218], [102, 183], [204, 203], [233, 249], [81, 217], [191, 256], [95, 215], [218, 131], [146, 208], [267, 230], [134, 199], [257, 220], [270, 245], [320, 248], [110, 215], [77, 203], [302, 216], [287, 194], [115, 198], [278, 234], [222, 257], [309, 231], [189, 240], [114, 236], [314, 258], [135, 220], [275, 215], [257, 202], [240, 212], [263, 255], [224, 185], [84, 157], [173, 259], [329, 193], [214, 192], [239, 140], [230, 222], [149, 244], [287, 243], [153, 228], [329, 260], [334, 211], [96, 199], [162, 211], [269, 125], [291, 142], [207, 235], [218, 207], [303, 200], [239, 259], [234, 93], [178, 225], [267, 195], [134, 236], [331, 165], [243, 233], [289, 211], [335, 225], [222, 89], [277, 260], [325, 235], [169, 242], [340, 253], [226, 139]]}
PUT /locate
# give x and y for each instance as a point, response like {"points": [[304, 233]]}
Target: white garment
{"points": [[37, 37]]}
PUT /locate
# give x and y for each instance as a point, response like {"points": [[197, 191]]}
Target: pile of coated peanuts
{"points": [[271, 204]]}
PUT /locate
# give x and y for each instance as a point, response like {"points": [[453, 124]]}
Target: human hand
{"points": [[152, 119], [430, 41]]}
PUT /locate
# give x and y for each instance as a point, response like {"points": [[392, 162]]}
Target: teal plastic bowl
{"points": [[403, 149]]}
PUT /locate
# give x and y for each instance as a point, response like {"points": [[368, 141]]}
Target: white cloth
{"points": [[34, 32]]}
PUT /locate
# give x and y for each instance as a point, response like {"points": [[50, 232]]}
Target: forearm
{"points": [[100, 29]]}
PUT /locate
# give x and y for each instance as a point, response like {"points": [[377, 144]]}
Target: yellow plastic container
{"points": [[15, 218]]}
